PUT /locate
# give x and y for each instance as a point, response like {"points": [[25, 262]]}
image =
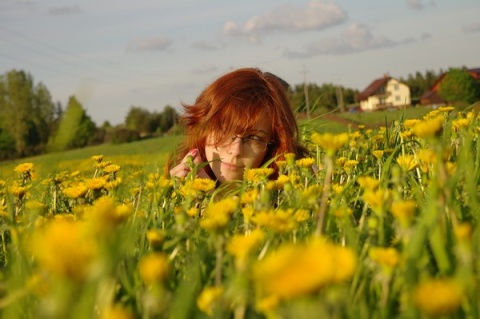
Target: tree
{"points": [[459, 86], [138, 119], [16, 94], [76, 128]]}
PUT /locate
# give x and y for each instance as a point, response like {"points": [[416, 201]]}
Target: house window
{"points": [[396, 87], [397, 98]]}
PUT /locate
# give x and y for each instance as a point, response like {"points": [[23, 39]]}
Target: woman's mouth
{"points": [[231, 167]]}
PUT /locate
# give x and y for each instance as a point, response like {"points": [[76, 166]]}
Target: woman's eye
{"points": [[254, 138]]}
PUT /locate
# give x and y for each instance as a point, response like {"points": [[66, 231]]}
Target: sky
{"points": [[116, 54]]}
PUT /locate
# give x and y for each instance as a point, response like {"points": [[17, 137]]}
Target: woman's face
{"points": [[229, 159]]}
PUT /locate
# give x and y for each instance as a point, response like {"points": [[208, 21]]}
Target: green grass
{"points": [[150, 152]]}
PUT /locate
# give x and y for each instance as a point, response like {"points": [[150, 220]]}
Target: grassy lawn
{"points": [[153, 153]]}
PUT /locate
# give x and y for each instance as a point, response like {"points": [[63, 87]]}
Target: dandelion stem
{"points": [[218, 261], [324, 199]]}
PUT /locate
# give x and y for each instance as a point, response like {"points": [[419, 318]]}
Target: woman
{"points": [[241, 120]]}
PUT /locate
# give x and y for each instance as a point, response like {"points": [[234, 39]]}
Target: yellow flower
{"points": [[295, 270], [77, 191], [95, 183], [112, 168], [437, 297], [377, 199], [18, 191], [378, 154], [241, 246], [407, 162], [330, 142], [208, 298], [24, 168], [337, 188], [463, 232], [282, 180], [192, 211], [426, 158], [280, 220], [460, 124], [301, 215], [97, 158], [404, 210], [349, 165], [368, 182], [247, 213], [410, 123], [256, 175], [429, 127], [306, 162], [311, 195], [197, 187], [117, 312], [64, 249], [446, 109], [217, 214], [387, 257], [153, 268], [250, 196], [104, 214], [340, 161], [155, 237]]}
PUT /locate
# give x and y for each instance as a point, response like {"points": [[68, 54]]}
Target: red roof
{"points": [[373, 88]]}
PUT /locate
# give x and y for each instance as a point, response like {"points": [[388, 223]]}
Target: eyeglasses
{"points": [[250, 142]]}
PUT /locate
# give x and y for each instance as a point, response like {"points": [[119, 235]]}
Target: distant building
{"points": [[431, 96], [384, 93]]}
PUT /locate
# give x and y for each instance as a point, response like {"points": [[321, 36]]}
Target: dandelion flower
{"points": [[407, 162], [437, 297], [368, 182], [208, 298], [153, 268], [64, 249], [241, 246], [296, 270], [386, 257], [256, 175], [330, 142], [76, 191], [429, 128], [403, 210], [24, 168], [306, 162], [97, 158]]}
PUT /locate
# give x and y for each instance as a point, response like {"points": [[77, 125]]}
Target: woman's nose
{"points": [[236, 146]]}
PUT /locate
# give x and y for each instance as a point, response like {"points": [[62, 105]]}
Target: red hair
{"points": [[232, 105]]}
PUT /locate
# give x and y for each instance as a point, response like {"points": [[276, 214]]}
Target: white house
{"points": [[384, 93]]}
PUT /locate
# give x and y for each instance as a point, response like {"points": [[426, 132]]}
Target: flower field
{"points": [[375, 224]]}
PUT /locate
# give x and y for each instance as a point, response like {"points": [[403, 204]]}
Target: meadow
{"points": [[379, 222]]}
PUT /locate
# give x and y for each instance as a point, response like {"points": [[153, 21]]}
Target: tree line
{"points": [[31, 123]]}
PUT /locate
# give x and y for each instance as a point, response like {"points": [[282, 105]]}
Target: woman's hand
{"points": [[182, 169]]}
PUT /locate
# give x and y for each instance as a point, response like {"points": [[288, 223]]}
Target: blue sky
{"points": [[114, 54]]}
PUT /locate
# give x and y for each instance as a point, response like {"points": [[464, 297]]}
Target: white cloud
{"points": [[470, 28], [205, 69], [65, 10], [415, 4], [202, 45], [418, 4], [355, 38], [158, 43], [316, 15]]}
